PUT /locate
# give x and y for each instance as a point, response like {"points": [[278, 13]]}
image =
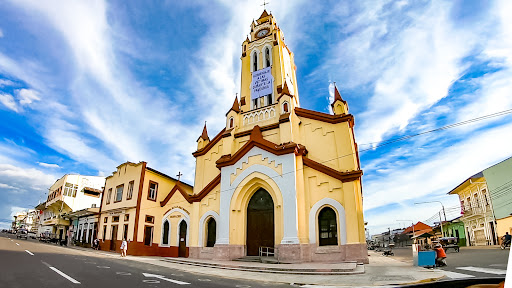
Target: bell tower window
{"points": [[285, 107], [255, 61], [267, 57], [231, 122]]}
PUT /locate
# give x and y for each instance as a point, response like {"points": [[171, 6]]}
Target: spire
{"points": [[236, 106], [343, 108], [264, 14], [204, 135]]}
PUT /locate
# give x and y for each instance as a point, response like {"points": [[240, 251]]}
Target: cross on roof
{"points": [[179, 174], [264, 4]]}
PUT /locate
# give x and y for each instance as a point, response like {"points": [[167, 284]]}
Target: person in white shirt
{"points": [[124, 247]]}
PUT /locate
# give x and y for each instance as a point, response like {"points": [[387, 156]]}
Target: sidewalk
{"points": [[381, 270]]}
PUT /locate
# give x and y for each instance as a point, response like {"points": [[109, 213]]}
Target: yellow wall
{"points": [[504, 225]]}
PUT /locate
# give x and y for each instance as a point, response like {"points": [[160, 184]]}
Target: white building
{"points": [[70, 193]]}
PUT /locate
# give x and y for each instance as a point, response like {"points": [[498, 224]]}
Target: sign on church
{"points": [[262, 83]]}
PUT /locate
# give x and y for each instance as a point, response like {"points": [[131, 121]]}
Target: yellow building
{"points": [[132, 208], [278, 176], [278, 179]]}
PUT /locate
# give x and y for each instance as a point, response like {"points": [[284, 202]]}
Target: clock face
{"points": [[262, 33]]}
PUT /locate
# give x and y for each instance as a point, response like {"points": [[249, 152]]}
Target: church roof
{"points": [[337, 96], [264, 14], [204, 135], [235, 107]]}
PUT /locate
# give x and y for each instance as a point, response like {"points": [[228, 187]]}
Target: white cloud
{"points": [[27, 96], [8, 101], [48, 165], [6, 186], [5, 82]]}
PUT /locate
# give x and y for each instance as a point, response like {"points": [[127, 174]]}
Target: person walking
{"points": [[124, 247]]}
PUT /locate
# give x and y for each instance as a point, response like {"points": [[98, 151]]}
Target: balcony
{"points": [[251, 118], [474, 211]]}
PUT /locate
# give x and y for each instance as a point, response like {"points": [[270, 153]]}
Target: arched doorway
{"points": [[260, 222], [182, 249]]}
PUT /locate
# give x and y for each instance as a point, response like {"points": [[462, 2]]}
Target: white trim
{"points": [[187, 221], [282, 107], [257, 52], [313, 216], [202, 223], [168, 234], [186, 217]]}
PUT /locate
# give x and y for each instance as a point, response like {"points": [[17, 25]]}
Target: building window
{"points": [[255, 61], [255, 103], [75, 188], [165, 238], [104, 231], [150, 219], [477, 203], [285, 107], [469, 202], [125, 232], [211, 232], [68, 189], [105, 220], [119, 193], [109, 194], [115, 219], [231, 122], [129, 194], [327, 227], [126, 217], [267, 57], [153, 188], [485, 197], [269, 99], [148, 235]]}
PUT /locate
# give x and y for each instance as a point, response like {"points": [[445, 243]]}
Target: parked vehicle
{"points": [[22, 233], [449, 242]]}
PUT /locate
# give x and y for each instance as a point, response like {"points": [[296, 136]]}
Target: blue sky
{"points": [[87, 85]]}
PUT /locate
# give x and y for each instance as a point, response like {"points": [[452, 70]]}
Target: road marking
{"points": [[484, 270], [90, 262], [61, 273], [204, 280], [151, 281], [123, 273], [18, 244], [29, 252], [165, 279], [455, 275], [105, 267], [243, 286]]}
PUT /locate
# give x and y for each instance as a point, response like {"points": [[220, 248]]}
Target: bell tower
{"points": [[268, 69]]}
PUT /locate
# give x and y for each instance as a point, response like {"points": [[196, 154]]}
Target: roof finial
{"points": [[264, 5], [204, 135]]}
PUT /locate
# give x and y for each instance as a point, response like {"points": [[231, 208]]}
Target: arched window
{"points": [[285, 107], [231, 122], [165, 238], [327, 227], [267, 57], [255, 61], [211, 232]]}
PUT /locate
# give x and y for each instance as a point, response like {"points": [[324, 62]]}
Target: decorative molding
{"points": [[340, 211], [210, 144], [202, 227], [260, 114], [342, 176], [333, 119], [262, 128]]}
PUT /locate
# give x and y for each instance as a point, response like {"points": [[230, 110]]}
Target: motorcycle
{"points": [[388, 253], [505, 245]]}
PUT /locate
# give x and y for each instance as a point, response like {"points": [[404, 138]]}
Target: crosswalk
{"points": [[459, 275]]}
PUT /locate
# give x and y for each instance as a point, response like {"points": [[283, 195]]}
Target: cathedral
{"points": [[278, 180]]}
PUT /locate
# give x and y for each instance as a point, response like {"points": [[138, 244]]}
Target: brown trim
{"points": [[115, 198], [137, 210], [333, 119], [164, 175], [128, 191], [227, 133], [210, 144], [285, 117], [342, 176], [242, 101], [256, 139], [191, 198], [263, 128], [149, 190]]}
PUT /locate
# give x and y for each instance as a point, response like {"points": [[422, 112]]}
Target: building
{"points": [[84, 224], [478, 218], [70, 193], [136, 207], [499, 181], [455, 228], [26, 220], [278, 177]]}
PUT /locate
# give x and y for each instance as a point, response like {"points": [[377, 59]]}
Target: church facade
{"points": [[278, 179]]}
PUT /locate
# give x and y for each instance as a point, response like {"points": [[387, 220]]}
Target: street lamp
{"points": [[441, 220]]}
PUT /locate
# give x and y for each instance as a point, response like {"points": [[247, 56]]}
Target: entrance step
{"points": [[248, 259], [345, 268]]}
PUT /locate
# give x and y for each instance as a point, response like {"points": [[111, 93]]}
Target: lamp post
{"points": [[441, 220]]}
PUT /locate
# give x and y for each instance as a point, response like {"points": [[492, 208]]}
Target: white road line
{"points": [[29, 252], [17, 244], [484, 270], [64, 275], [61, 273], [455, 275]]}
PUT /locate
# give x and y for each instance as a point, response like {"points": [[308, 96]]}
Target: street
{"points": [[485, 261], [28, 263]]}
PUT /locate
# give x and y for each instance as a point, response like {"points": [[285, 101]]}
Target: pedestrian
{"points": [[440, 255], [124, 247], [96, 244]]}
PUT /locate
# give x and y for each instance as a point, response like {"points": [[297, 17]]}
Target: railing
{"points": [[257, 115], [473, 211], [268, 252]]}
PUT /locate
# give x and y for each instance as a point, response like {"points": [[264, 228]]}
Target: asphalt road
{"points": [[472, 261], [28, 263]]}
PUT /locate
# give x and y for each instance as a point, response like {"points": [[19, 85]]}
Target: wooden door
{"points": [[260, 222], [113, 238], [182, 250]]}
